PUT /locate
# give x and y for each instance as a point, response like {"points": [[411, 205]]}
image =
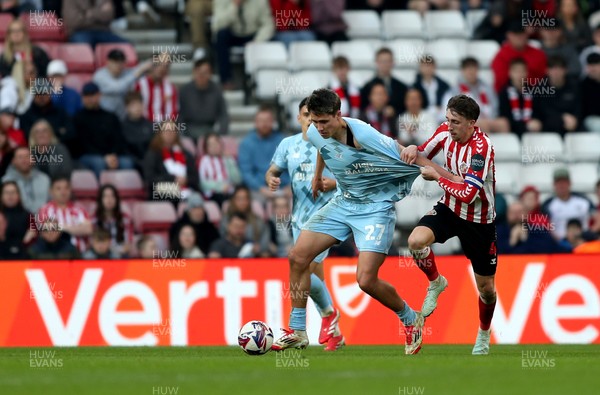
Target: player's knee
{"points": [[416, 241], [366, 281], [487, 291], [298, 259]]}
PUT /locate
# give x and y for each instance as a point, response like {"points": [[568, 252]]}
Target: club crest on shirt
{"points": [[463, 167]]}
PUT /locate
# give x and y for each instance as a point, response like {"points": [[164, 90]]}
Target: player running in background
{"points": [[370, 178], [466, 210], [297, 156]]}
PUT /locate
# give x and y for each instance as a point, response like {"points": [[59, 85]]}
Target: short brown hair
{"points": [[133, 96], [323, 102], [464, 106], [382, 51], [341, 61]]}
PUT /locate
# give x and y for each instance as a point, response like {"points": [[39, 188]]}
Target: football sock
{"points": [[320, 295], [298, 319], [425, 260], [407, 315], [486, 312]]}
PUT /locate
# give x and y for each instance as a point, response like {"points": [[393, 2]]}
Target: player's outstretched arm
{"points": [[272, 177], [423, 161]]}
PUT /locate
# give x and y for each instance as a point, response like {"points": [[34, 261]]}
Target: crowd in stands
{"points": [[131, 117]]}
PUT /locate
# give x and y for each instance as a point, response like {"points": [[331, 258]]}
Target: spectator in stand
{"points": [[137, 129], [554, 44], [235, 23], [517, 105], [594, 48], [327, 21], [495, 24], [379, 113], [18, 48], [532, 208], [168, 167], [292, 21], [573, 236], [88, 21], [348, 92], [19, 7], [195, 216], [98, 139], [158, 92], [63, 97], [72, 218], [147, 247], [590, 94], [15, 228], [595, 225], [566, 205], [6, 153], [115, 81], [576, 28], [33, 184], [185, 243], [53, 243], [560, 108], [433, 88], [256, 151], [43, 108], [15, 137], [197, 12], [110, 217], [470, 84], [100, 246], [425, 5], [49, 155], [517, 47], [376, 5], [384, 62], [416, 125], [281, 226], [219, 173], [202, 104], [257, 230], [16, 89], [234, 244]]}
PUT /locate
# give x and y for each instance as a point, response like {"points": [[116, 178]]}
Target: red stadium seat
{"points": [[77, 80], [51, 48], [44, 25], [4, 21], [84, 184], [150, 217], [128, 183], [102, 51], [78, 57]]}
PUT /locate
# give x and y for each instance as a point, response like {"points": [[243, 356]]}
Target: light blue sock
{"points": [[407, 315], [298, 319], [320, 295]]}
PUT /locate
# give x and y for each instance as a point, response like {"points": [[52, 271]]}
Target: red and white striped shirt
{"points": [[473, 199], [72, 214], [160, 99]]}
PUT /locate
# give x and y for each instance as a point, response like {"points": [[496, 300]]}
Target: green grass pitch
{"points": [[437, 369]]}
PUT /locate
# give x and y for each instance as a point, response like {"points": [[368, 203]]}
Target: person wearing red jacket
{"points": [[516, 46], [292, 21]]}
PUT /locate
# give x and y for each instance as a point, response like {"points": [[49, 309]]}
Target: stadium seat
{"points": [[584, 176], [84, 184], [102, 51], [153, 216], [445, 23], [51, 48], [487, 76], [402, 24], [507, 147], [450, 75], [128, 183], [407, 76], [582, 147], [540, 175], [360, 53], [407, 53], [76, 81], [474, 19], [362, 24], [544, 147], [360, 77], [300, 85], [447, 52], [594, 19], [270, 83], [265, 55], [507, 177], [319, 59], [78, 57], [483, 50], [4, 21], [535, 43], [44, 26]]}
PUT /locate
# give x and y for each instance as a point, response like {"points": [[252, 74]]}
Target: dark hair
{"points": [[60, 177], [201, 62], [101, 212], [265, 108], [574, 221], [133, 96], [100, 234], [557, 61], [382, 51], [593, 58], [341, 61], [375, 84], [4, 185], [205, 141], [516, 61], [302, 103], [323, 102], [426, 59], [465, 106], [176, 245], [469, 61], [143, 240], [238, 215]]}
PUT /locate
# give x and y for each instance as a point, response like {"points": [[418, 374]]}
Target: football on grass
{"points": [[255, 338]]}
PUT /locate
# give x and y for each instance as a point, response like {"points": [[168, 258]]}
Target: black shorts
{"points": [[478, 240]]}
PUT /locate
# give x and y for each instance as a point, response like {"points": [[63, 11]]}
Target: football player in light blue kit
{"points": [[370, 179], [297, 156]]}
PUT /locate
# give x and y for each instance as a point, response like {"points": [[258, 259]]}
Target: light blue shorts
{"points": [[372, 224], [321, 257]]}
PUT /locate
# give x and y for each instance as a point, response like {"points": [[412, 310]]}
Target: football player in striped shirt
{"points": [[466, 210]]}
